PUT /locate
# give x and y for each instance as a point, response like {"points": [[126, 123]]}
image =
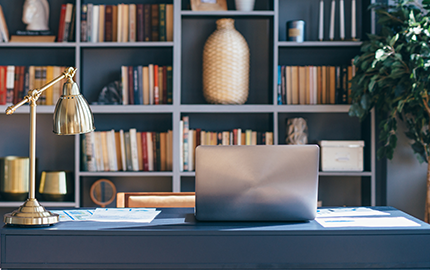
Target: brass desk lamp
{"points": [[72, 116]]}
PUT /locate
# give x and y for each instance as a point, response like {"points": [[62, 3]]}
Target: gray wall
{"points": [[406, 178]]}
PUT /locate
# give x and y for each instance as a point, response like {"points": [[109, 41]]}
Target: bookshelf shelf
{"points": [[265, 32]]}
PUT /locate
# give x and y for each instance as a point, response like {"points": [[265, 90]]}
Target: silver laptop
{"points": [[256, 182]]}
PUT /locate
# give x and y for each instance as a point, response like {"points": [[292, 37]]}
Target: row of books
{"points": [[191, 138], [16, 81], [66, 25], [314, 84], [147, 85], [126, 22], [129, 150]]}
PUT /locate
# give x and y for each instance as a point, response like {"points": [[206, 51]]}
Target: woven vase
{"points": [[226, 65]]}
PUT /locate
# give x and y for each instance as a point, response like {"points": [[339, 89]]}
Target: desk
{"points": [[175, 240]]}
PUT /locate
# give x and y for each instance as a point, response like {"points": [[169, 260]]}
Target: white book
{"points": [[181, 145], [149, 143], [67, 22], [133, 149], [123, 157], [124, 24], [95, 24], [113, 163], [239, 136], [124, 80], [99, 152], [119, 22], [90, 152], [10, 81], [151, 83], [132, 23]]}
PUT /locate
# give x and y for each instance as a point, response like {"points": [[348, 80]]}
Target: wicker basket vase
{"points": [[226, 65]]}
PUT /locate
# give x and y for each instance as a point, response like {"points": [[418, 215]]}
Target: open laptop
{"points": [[256, 182]]}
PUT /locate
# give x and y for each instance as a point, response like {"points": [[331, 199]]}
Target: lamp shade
{"points": [[72, 113]]}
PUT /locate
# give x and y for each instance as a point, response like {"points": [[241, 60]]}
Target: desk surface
{"points": [[175, 240]]}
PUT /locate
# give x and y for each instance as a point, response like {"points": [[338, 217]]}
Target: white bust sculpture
{"points": [[36, 15]]}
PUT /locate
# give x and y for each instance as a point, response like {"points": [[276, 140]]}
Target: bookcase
{"points": [[265, 31]]}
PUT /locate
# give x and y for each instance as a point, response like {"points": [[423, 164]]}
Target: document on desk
{"points": [[73, 215], [349, 212], [144, 215], [376, 222]]}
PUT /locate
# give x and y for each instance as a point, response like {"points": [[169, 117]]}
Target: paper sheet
{"points": [[73, 215], [366, 222], [349, 212], [144, 215]]}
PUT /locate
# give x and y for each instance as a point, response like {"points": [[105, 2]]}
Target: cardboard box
{"points": [[341, 155]]}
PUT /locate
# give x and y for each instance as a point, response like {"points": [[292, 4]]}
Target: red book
{"points": [[109, 23], [140, 25], [130, 86], [145, 151], [62, 22], [21, 70], [16, 84], [154, 148], [235, 136], [164, 84], [156, 93], [3, 90]]}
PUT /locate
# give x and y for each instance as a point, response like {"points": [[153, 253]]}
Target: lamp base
{"points": [[31, 213]]}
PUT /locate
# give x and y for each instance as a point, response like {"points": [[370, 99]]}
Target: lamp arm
{"points": [[33, 95]]}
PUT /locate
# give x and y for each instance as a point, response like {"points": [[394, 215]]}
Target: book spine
{"points": [[169, 22], [119, 156], [156, 92], [67, 22], [160, 85], [136, 89], [157, 151], [185, 119], [150, 144], [129, 164], [84, 9], [132, 23], [114, 22], [144, 151], [133, 149], [154, 23], [145, 79], [123, 152], [147, 22], [108, 23], [164, 85], [90, 152], [130, 86], [105, 152], [139, 23], [169, 85], [3, 89], [101, 24], [72, 34], [95, 24], [89, 21], [111, 146], [124, 83], [16, 90], [162, 22], [151, 83], [62, 22], [140, 84]]}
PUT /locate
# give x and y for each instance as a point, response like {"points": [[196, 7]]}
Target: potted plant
{"points": [[393, 77]]}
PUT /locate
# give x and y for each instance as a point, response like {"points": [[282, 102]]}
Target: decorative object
{"points": [[72, 116], [103, 192], [14, 178], [391, 76], [226, 65], [297, 131], [245, 5], [36, 15], [111, 94], [208, 5], [341, 155], [56, 185], [296, 31]]}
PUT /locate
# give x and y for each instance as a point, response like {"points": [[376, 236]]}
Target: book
{"points": [[154, 22], [114, 22], [49, 91], [3, 89], [98, 151], [160, 85], [108, 34], [4, 32], [119, 22], [295, 85], [150, 147], [169, 22], [140, 29], [308, 82], [101, 30], [125, 23], [162, 22], [169, 150], [124, 84], [191, 141], [324, 85], [169, 85], [181, 145], [95, 24], [147, 22], [157, 153], [288, 85], [144, 151], [302, 85], [20, 38], [112, 151], [62, 23], [105, 153], [10, 83], [164, 79], [136, 88], [89, 21], [128, 156], [185, 137], [123, 153], [151, 83], [140, 83], [332, 82], [90, 151], [118, 150], [145, 85], [132, 23], [71, 35], [133, 149], [156, 90], [130, 85], [84, 10], [67, 22]]}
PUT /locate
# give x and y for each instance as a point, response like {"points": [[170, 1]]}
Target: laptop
{"points": [[256, 182]]}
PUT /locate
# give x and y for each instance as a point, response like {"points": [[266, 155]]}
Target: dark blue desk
{"points": [[174, 240]]}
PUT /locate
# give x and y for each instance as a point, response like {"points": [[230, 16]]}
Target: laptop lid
{"points": [[256, 182]]}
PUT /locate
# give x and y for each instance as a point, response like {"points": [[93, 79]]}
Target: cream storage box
{"points": [[341, 155]]}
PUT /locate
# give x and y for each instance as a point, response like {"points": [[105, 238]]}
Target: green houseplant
{"points": [[393, 76]]}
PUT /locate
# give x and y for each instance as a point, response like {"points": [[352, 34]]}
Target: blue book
{"points": [[279, 85]]}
